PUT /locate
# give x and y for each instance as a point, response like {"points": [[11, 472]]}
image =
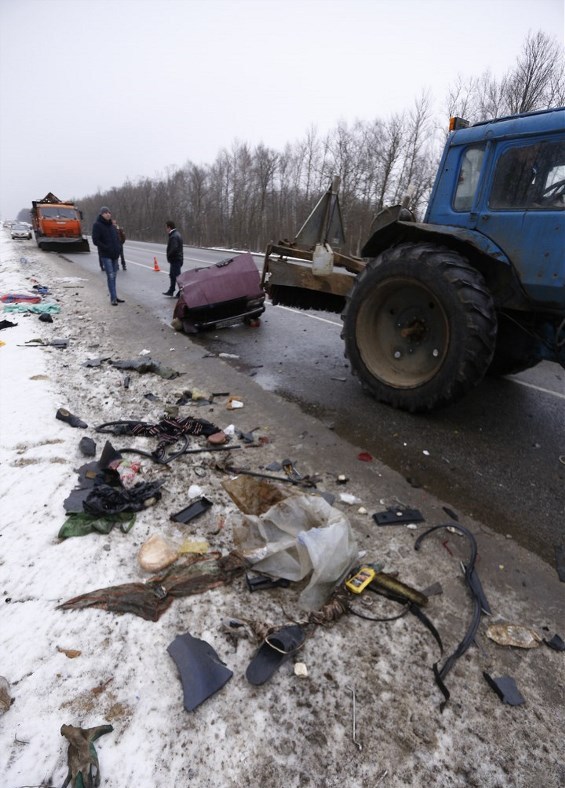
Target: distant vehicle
{"points": [[58, 225], [221, 295], [20, 230]]}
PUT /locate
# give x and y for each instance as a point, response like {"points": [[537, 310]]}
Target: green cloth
{"points": [[84, 523], [51, 309]]}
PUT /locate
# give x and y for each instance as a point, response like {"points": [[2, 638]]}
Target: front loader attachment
{"points": [[302, 273]]}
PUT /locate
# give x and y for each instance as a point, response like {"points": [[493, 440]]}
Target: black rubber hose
{"points": [[441, 672]]}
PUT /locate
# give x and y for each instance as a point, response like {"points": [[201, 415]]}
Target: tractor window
{"points": [[468, 181], [530, 177]]}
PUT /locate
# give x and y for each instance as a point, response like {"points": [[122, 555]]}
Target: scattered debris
{"points": [[480, 604], [147, 365], [190, 575], [398, 516], [64, 415], [202, 672], [87, 446], [556, 643], [193, 510], [506, 689], [156, 554], [277, 648], [514, 635], [84, 769], [5, 697], [71, 653]]}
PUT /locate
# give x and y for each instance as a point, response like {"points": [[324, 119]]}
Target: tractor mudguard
{"points": [[396, 231]]}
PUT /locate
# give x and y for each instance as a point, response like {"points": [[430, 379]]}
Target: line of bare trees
{"points": [[250, 196]]}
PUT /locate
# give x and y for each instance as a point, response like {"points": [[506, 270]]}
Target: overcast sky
{"points": [[94, 92]]}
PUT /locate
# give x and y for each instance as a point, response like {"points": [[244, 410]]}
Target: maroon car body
{"points": [[220, 295]]}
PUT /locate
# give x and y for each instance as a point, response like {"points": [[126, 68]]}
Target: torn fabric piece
{"points": [[169, 431], [40, 309], [82, 523], [192, 575]]}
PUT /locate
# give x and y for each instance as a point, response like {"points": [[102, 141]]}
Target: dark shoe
{"points": [[168, 293], [64, 415], [276, 649], [177, 294], [124, 268], [114, 302], [120, 300]]}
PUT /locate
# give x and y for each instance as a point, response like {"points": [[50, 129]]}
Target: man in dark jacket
{"points": [[174, 256], [105, 237]]}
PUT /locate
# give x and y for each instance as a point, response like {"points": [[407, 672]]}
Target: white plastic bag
{"points": [[296, 536]]}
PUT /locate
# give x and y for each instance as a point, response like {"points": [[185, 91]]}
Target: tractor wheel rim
{"points": [[402, 333]]}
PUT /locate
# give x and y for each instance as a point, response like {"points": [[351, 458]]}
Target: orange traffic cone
{"points": [[155, 265]]}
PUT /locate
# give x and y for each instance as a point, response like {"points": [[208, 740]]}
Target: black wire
{"points": [[370, 618], [469, 637]]}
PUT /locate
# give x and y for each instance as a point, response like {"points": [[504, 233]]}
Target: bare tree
{"points": [[537, 79]]}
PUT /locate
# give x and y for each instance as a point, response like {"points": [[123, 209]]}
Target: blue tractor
{"points": [[477, 287]]}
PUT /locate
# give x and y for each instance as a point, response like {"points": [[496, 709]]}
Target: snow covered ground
{"points": [[93, 667]]}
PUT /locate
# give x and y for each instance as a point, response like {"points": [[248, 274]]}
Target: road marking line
{"points": [[333, 323], [537, 388], [305, 314]]}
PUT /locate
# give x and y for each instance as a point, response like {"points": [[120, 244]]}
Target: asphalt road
{"points": [[498, 455]]}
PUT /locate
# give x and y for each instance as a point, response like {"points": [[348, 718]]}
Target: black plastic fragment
{"points": [[193, 510], [202, 672], [556, 643], [398, 517], [506, 689], [262, 582], [87, 446], [434, 590]]}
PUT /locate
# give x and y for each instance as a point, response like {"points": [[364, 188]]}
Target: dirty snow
{"points": [[295, 730]]}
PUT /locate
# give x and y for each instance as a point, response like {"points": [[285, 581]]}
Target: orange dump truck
{"points": [[58, 225]]}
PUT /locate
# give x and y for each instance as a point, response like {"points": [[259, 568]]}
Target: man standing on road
{"points": [[105, 237], [122, 237], [174, 256]]}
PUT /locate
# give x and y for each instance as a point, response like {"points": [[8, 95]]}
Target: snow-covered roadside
{"points": [[293, 731]]}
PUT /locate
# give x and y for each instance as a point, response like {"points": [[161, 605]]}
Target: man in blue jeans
{"points": [[105, 237]]}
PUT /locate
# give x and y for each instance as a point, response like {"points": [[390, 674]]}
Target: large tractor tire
{"points": [[516, 349], [419, 327]]}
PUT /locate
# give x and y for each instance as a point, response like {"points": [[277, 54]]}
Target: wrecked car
{"points": [[220, 295]]}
